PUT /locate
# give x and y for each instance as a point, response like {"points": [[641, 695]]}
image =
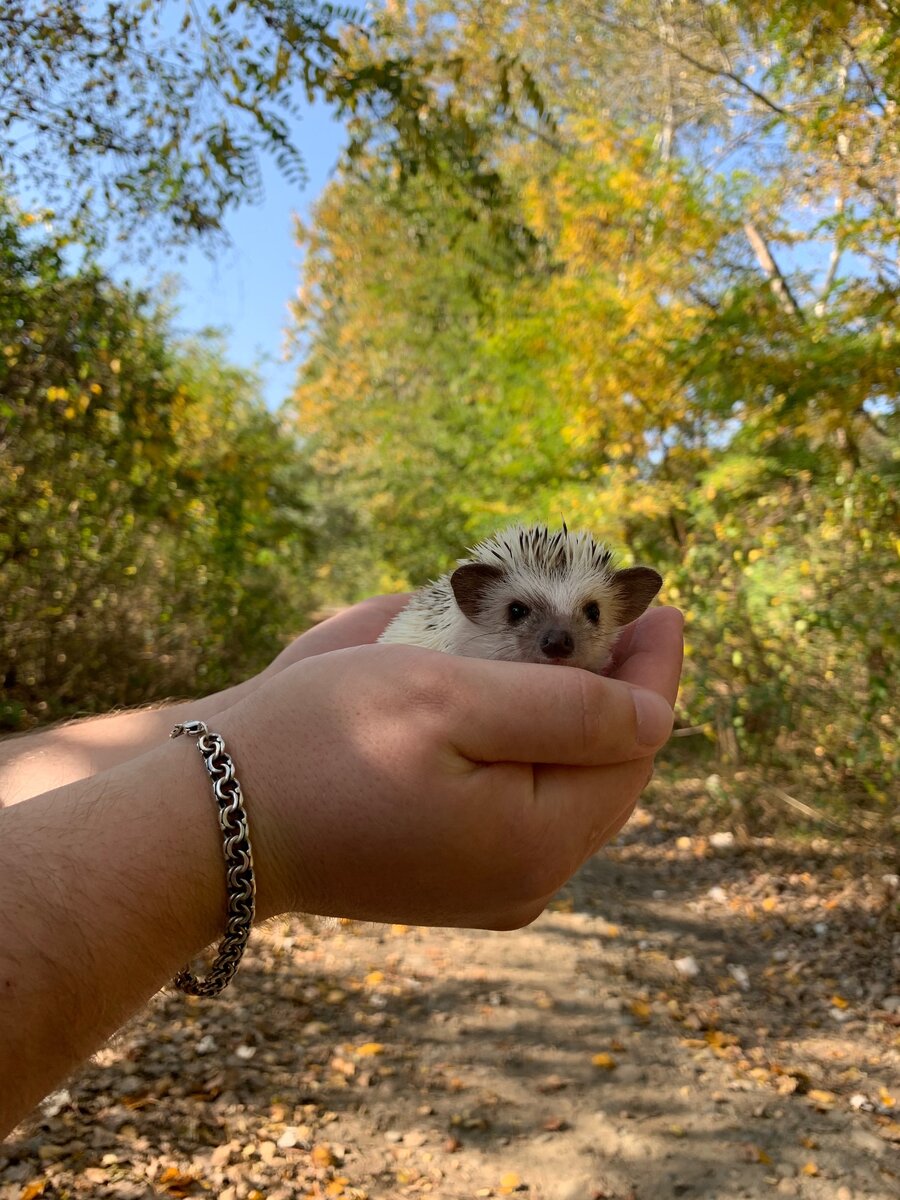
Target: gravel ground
{"points": [[697, 1016]]}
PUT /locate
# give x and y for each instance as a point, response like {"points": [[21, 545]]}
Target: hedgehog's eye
{"points": [[517, 611], [592, 612]]}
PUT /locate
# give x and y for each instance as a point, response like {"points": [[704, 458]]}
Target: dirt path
{"points": [[688, 1020]]}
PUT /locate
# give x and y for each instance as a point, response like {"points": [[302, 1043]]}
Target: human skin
{"points": [[381, 782]]}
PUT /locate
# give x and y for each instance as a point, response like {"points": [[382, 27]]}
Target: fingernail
{"points": [[654, 717]]}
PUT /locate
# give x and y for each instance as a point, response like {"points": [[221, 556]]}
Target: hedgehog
{"points": [[529, 595]]}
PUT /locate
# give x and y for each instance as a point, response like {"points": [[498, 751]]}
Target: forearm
{"points": [[51, 758], [108, 886]]}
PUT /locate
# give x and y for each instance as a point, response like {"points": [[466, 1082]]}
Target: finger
{"points": [[594, 803], [575, 811], [359, 625], [528, 713], [649, 652]]}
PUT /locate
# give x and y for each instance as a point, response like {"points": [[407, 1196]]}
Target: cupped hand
{"points": [[358, 625], [392, 783]]}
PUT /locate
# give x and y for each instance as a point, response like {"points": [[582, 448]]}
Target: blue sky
{"points": [[245, 289]]}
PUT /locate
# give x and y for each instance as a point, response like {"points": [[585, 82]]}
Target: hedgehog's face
{"points": [[564, 617]]}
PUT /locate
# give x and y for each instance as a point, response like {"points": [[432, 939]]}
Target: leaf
{"points": [[821, 1099], [604, 1061], [369, 1049], [322, 1155], [32, 1190], [640, 1010]]}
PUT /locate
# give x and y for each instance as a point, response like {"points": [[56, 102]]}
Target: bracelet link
{"points": [[239, 878]]}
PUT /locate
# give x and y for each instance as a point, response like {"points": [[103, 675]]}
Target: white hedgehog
{"points": [[529, 595]]}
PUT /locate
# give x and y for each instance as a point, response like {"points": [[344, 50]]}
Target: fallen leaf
{"points": [[176, 1183], [509, 1182], [321, 1155], [809, 1168], [33, 1190], [369, 1049], [820, 1098], [605, 1061]]}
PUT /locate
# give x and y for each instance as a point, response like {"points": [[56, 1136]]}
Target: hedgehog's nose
{"points": [[557, 643]]}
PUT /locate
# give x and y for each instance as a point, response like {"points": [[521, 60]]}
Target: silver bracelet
{"points": [[238, 863]]}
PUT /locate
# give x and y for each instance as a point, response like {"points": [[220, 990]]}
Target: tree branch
{"points": [[776, 279]]}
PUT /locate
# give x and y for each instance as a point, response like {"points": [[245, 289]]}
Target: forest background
{"points": [[635, 265]]}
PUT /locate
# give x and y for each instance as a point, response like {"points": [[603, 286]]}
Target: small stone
{"points": [[415, 1138], [891, 1004], [740, 976], [268, 1151], [722, 841], [288, 1139], [393, 1135], [718, 894], [687, 966]]}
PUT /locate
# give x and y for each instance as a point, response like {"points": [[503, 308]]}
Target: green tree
{"points": [[695, 353], [149, 119], [155, 533]]}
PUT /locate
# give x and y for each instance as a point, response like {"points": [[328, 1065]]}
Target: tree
{"points": [[155, 534], [678, 358], [149, 119]]}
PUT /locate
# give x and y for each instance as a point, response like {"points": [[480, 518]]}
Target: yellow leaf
{"points": [[321, 1155], [820, 1098], [370, 1049], [769, 903], [509, 1182], [762, 1157], [887, 1100], [605, 1061], [640, 1010], [809, 1168], [33, 1190], [374, 978], [839, 1002]]}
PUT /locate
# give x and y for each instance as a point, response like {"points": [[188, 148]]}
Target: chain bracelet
{"points": [[238, 863]]}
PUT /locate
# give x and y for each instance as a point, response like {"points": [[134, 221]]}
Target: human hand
{"points": [[398, 784], [359, 625]]}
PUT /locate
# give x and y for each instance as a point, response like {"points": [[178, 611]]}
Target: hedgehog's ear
{"points": [[470, 582], [634, 588]]}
